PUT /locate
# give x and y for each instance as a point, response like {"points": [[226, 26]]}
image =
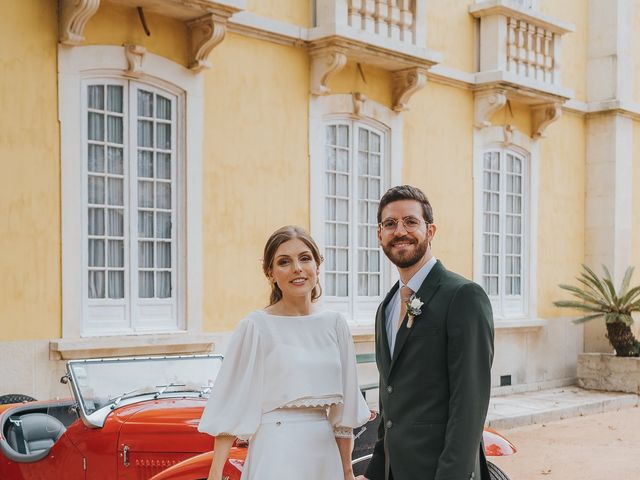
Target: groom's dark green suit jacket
{"points": [[434, 392]]}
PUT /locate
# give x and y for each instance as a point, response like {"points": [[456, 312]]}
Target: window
{"points": [[131, 148], [355, 152], [131, 169], [354, 183], [504, 235]]}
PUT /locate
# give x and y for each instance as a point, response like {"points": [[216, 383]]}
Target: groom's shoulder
{"points": [[452, 281]]}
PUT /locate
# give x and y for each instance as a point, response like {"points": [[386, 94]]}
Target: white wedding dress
{"points": [[290, 386]]}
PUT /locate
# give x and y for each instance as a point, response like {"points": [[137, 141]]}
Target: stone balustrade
{"points": [[530, 50], [393, 19]]}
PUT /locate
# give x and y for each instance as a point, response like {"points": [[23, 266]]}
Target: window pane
{"points": [[330, 208], [145, 254], [164, 136], [330, 185], [363, 285], [115, 222], [145, 194], [95, 160], [374, 165], [363, 261], [362, 236], [96, 253], [342, 236], [330, 259], [373, 237], [330, 233], [145, 224], [163, 225], [363, 164], [145, 164], [116, 284], [116, 194], [343, 161], [374, 188], [342, 210], [331, 135], [363, 187], [374, 285], [95, 97], [374, 261], [114, 98], [145, 104], [163, 195], [163, 257], [116, 253], [373, 213], [163, 165], [342, 185], [343, 285], [96, 284], [331, 158], [374, 142], [330, 287], [114, 129], [164, 108], [342, 264], [96, 221], [96, 190], [343, 136], [363, 140], [163, 288], [145, 284], [145, 133], [95, 130], [115, 160]]}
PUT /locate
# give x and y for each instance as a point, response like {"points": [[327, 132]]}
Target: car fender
{"points": [[495, 445]]}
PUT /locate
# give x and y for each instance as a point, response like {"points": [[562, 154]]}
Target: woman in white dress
{"points": [[288, 382]]}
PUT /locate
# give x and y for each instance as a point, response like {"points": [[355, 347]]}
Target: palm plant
{"points": [[598, 298]]}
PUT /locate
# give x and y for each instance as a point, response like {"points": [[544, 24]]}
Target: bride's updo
{"points": [[277, 238]]}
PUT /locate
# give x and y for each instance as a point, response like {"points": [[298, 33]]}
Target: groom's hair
{"points": [[406, 192]]}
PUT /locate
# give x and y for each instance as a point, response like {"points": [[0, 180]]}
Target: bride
{"points": [[288, 382]]}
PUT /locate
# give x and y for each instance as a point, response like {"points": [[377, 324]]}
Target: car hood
{"points": [[164, 425]]}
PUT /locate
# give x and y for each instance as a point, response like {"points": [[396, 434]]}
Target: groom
{"points": [[434, 348]]}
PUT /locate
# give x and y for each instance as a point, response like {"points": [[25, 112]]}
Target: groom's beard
{"points": [[406, 259]]}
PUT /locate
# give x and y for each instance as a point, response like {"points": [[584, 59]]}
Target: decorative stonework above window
{"points": [[388, 34], [520, 49], [206, 21]]}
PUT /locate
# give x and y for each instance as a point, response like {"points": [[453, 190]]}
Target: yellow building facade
{"points": [[149, 153]]}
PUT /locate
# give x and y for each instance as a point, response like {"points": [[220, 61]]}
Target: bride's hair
{"points": [[277, 238]]}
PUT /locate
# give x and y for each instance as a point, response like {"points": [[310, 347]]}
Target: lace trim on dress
{"points": [[343, 432], [313, 402]]}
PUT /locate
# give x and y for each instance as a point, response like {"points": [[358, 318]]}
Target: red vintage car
{"points": [[134, 418]]}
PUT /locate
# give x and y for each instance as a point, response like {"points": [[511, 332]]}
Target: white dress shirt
{"points": [[392, 312]]}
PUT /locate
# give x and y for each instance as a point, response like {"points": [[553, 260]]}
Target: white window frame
{"points": [[75, 66], [329, 109], [496, 138]]}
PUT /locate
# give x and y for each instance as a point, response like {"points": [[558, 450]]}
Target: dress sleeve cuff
{"points": [[343, 432]]}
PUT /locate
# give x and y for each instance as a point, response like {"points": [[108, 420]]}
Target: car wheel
{"points": [[495, 473], [15, 398]]}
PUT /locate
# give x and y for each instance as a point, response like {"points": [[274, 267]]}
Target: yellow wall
{"points": [[376, 85], [574, 44], [297, 12], [116, 25], [561, 213], [452, 34], [256, 168], [439, 159], [29, 185]]}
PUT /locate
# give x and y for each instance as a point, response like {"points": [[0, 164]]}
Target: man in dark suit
{"points": [[434, 349]]}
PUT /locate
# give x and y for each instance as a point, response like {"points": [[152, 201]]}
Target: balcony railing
{"points": [[519, 45], [393, 19]]}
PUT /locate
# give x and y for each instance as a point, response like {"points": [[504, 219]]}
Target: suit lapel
{"points": [[425, 293], [381, 332]]}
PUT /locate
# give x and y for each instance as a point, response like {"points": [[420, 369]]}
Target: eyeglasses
{"points": [[410, 224]]}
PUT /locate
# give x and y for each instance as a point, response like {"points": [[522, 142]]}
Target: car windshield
{"points": [[106, 383]]}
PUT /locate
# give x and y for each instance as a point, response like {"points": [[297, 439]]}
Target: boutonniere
{"points": [[414, 306]]}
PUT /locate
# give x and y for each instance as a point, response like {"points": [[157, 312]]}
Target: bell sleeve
{"points": [[235, 404], [353, 411]]}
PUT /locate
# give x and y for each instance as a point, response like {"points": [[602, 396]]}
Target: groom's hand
{"points": [[361, 477]]}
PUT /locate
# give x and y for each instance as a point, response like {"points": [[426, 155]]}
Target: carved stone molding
{"points": [[135, 56], [74, 15], [488, 103], [544, 115], [358, 102], [405, 84], [204, 34], [324, 65]]}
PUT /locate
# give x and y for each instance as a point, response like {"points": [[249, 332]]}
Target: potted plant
{"points": [[597, 298]]}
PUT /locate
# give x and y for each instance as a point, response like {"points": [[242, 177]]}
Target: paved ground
{"points": [[602, 446], [569, 434]]}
